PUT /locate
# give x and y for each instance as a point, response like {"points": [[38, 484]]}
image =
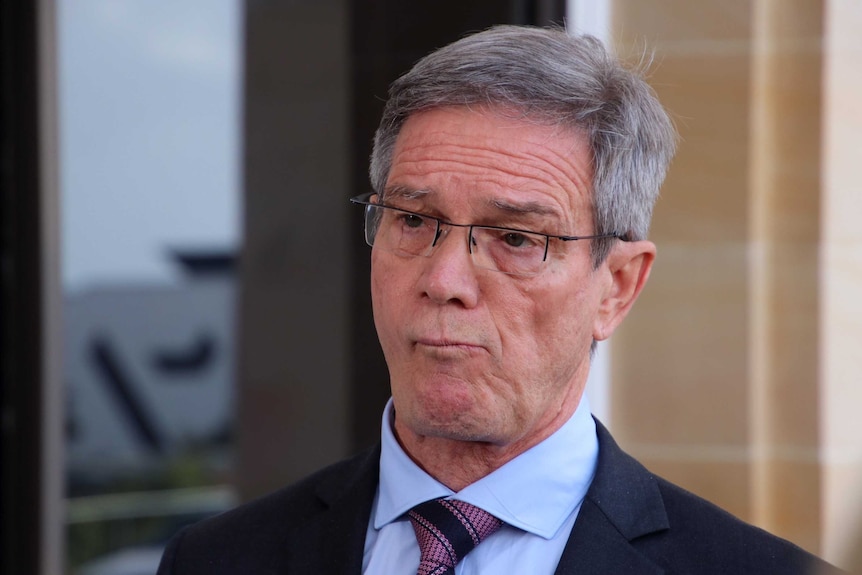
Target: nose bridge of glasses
{"points": [[443, 230], [451, 255]]}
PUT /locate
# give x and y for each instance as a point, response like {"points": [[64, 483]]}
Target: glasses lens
{"points": [[398, 231], [509, 251], [405, 233], [372, 223]]}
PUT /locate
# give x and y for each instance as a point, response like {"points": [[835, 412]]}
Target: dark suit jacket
{"points": [[631, 522]]}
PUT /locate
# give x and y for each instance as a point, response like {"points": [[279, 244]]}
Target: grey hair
{"points": [[549, 76]]}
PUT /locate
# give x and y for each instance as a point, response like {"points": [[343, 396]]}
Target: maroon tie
{"points": [[448, 529]]}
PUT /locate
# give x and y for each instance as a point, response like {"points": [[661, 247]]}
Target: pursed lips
{"points": [[447, 345]]}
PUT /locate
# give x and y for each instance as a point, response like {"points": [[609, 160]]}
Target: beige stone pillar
{"points": [[733, 375], [841, 279]]}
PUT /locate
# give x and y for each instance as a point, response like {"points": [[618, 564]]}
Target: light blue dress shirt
{"points": [[537, 495]]}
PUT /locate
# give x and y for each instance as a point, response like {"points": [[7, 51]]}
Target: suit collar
{"points": [[353, 480], [622, 504], [332, 542], [625, 492]]}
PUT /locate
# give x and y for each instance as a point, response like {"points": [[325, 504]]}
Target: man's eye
{"points": [[515, 240], [412, 220]]}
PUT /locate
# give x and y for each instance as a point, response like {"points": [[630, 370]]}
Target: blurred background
{"points": [[186, 322]]}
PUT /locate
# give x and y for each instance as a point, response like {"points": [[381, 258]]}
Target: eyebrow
{"points": [[523, 208], [528, 209], [518, 208], [405, 193]]}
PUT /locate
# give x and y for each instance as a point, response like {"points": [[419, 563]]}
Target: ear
{"points": [[628, 267]]}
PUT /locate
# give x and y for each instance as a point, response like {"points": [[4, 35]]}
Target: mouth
{"points": [[444, 346]]}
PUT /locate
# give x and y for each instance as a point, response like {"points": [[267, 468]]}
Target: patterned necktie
{"points": [[448, 529]]}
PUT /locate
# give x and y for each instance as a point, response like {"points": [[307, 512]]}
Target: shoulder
{"points": [[702, 534], [293, 504], [265, 528], [683, 532]]}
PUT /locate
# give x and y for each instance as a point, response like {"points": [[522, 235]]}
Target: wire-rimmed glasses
{"points": [[507, 250]]}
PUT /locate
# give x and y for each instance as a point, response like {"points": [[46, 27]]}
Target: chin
{"points": [[451, 422], [455, 431], [447, 407]]}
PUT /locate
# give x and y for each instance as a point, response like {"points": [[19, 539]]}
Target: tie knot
{"points": [[448, 529]]}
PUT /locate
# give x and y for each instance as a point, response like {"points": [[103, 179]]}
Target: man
{"points": [[514, 174]]}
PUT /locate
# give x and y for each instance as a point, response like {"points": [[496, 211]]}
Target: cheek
{"points": [[547, 314], [554, 329], [381, 298], [383, 281], [388, 300]]}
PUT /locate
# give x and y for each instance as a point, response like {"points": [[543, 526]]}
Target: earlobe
{"points": [[628, 266]]}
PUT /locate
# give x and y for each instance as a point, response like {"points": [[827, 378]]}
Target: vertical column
{"points": [[52, 550], [31, 399], [718, 373], [681, 362], [841, 280], [293, 374], [784, 228]]}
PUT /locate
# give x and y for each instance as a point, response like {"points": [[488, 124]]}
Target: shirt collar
{"points": [[537, 491]]}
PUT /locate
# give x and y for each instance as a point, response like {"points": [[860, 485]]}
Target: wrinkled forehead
{"points": [[492, 154], [566, 134]]}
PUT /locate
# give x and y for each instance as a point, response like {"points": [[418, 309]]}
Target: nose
{"points": [[449, 275]]}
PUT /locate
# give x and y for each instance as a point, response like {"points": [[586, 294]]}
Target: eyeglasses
{"points": [[507, 250]]}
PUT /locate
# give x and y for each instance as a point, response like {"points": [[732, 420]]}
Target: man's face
{"points": [[474, 354]]}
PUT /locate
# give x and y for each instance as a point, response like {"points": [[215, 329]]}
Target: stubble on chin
{"points": [[445, 416]]}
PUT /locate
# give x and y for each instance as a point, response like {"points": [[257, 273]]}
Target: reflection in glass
{"points": [[149, 102]]}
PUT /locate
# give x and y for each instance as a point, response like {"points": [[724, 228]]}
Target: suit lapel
{"points": [[623, 503], [595, 547], [333, 541]]}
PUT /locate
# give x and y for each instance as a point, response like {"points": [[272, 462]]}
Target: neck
{"points": [[457, 463]]}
